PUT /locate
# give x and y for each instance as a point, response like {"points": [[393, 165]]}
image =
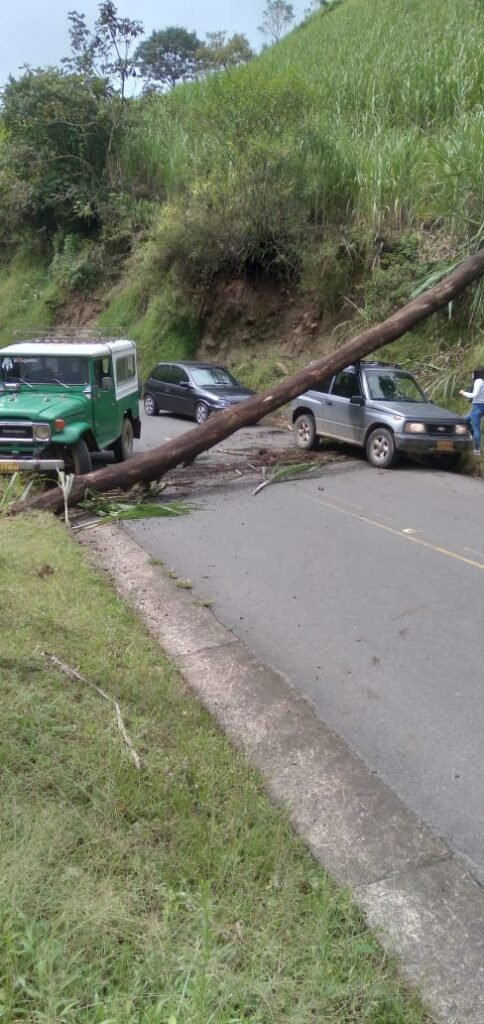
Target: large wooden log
{"points": [[154, 464]]}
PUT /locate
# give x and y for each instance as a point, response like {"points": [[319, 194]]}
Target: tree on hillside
{"points": [[219, 52], [169, 56], [58, 133], [106, 52], [276, 18]]}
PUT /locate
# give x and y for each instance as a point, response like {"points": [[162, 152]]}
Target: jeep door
{"points": [[343, 419], [104, 407]]}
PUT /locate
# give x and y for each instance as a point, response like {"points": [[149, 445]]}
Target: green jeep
{"points": [[62, 399]]}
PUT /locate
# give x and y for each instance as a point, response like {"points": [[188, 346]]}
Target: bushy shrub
{"points": [[78, 263]]}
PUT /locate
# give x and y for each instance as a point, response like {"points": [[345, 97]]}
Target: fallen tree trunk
{"points": [[154, 464]]}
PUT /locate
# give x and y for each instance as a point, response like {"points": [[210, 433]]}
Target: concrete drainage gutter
{"points": [[423, 901]]}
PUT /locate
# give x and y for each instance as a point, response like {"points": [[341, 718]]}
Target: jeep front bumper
{"points": [[30, 465]]}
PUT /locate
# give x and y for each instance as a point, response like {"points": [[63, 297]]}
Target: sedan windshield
{"points": [[394, 386], [208, 376], [35, 369]]}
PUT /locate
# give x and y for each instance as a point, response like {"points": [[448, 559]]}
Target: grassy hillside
{"points": [[344, 164]]}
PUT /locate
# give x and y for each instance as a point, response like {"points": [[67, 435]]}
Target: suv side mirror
{"points": [[357, 400], [107, 383], [185, 384]]}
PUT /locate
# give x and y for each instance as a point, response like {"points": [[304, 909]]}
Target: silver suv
{"points": [[382, 409]]}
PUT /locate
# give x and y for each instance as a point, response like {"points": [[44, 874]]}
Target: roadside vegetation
{"points": [[173, 893], [342, 164]]}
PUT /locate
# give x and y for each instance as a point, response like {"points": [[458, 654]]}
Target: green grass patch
{"points": [[29, 299], [152, 314], [177, 893], [262, 371]]}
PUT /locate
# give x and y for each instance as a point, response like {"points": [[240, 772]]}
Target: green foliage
{"points": [[54, 155], [29, 299], [169, 56], [77, 265], [396, 275], [155, 313], [220, 52]]}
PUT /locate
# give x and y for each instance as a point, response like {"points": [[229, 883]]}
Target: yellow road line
{"points": [[398, 533]]}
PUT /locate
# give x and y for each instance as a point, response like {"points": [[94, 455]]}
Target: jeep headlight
{"points": [[415, 428], [461, 428], [41, 432]]}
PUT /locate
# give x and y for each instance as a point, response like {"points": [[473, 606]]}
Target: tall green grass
{"points": [[370, 111]]}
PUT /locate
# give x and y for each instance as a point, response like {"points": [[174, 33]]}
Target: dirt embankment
{"points": [[241, 321], [253, 318]]}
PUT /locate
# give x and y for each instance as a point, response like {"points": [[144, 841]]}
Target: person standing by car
{"points": [[476, 413]]}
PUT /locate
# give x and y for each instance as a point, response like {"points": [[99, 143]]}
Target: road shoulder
{"points": [[427, 907]]}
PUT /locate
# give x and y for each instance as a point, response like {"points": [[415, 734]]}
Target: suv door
{"points": [[342, 419], [104, 407]]}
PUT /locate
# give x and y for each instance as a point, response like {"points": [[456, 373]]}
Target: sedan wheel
{"points": [[380, 448], [305, 432], [201, 412], [151, 408]]}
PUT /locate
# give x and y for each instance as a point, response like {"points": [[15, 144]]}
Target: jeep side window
{"points": [[125, 369], [346, 385], [101, 368]]}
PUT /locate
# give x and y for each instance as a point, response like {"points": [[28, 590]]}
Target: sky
{"points": [[37, 29]]}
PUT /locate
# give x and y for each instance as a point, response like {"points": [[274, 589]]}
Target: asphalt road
{"points": [[365, 588]]}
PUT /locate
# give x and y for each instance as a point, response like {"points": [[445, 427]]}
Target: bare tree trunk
{"points": [[154, 464]]}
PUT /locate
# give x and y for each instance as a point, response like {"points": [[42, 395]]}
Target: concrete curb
{"points": [[428, 909]]}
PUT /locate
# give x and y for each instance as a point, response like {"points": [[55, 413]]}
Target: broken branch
{"points": [[72, 673]]}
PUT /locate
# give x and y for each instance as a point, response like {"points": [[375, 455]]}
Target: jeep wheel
{"points": [[305, 432], [150, 404], [123, 447], [201, 412], [380, 448], [77, 458]]}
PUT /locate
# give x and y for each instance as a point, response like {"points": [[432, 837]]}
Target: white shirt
{"points": [[477, 393]]}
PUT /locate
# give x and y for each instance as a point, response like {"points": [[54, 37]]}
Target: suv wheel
{"points": [[123, 447], [201, 412], [151, 407], [77, 458], [380, 448], [305, 432]]}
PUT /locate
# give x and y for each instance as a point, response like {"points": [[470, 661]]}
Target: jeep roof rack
{"points": [[88, 335]]}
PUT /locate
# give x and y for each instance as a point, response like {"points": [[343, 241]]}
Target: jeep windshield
{"points": [[393, 386], [48, 369]]}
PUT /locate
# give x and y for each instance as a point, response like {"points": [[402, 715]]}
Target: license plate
{"points": [[445, 446], [8, 467]]}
